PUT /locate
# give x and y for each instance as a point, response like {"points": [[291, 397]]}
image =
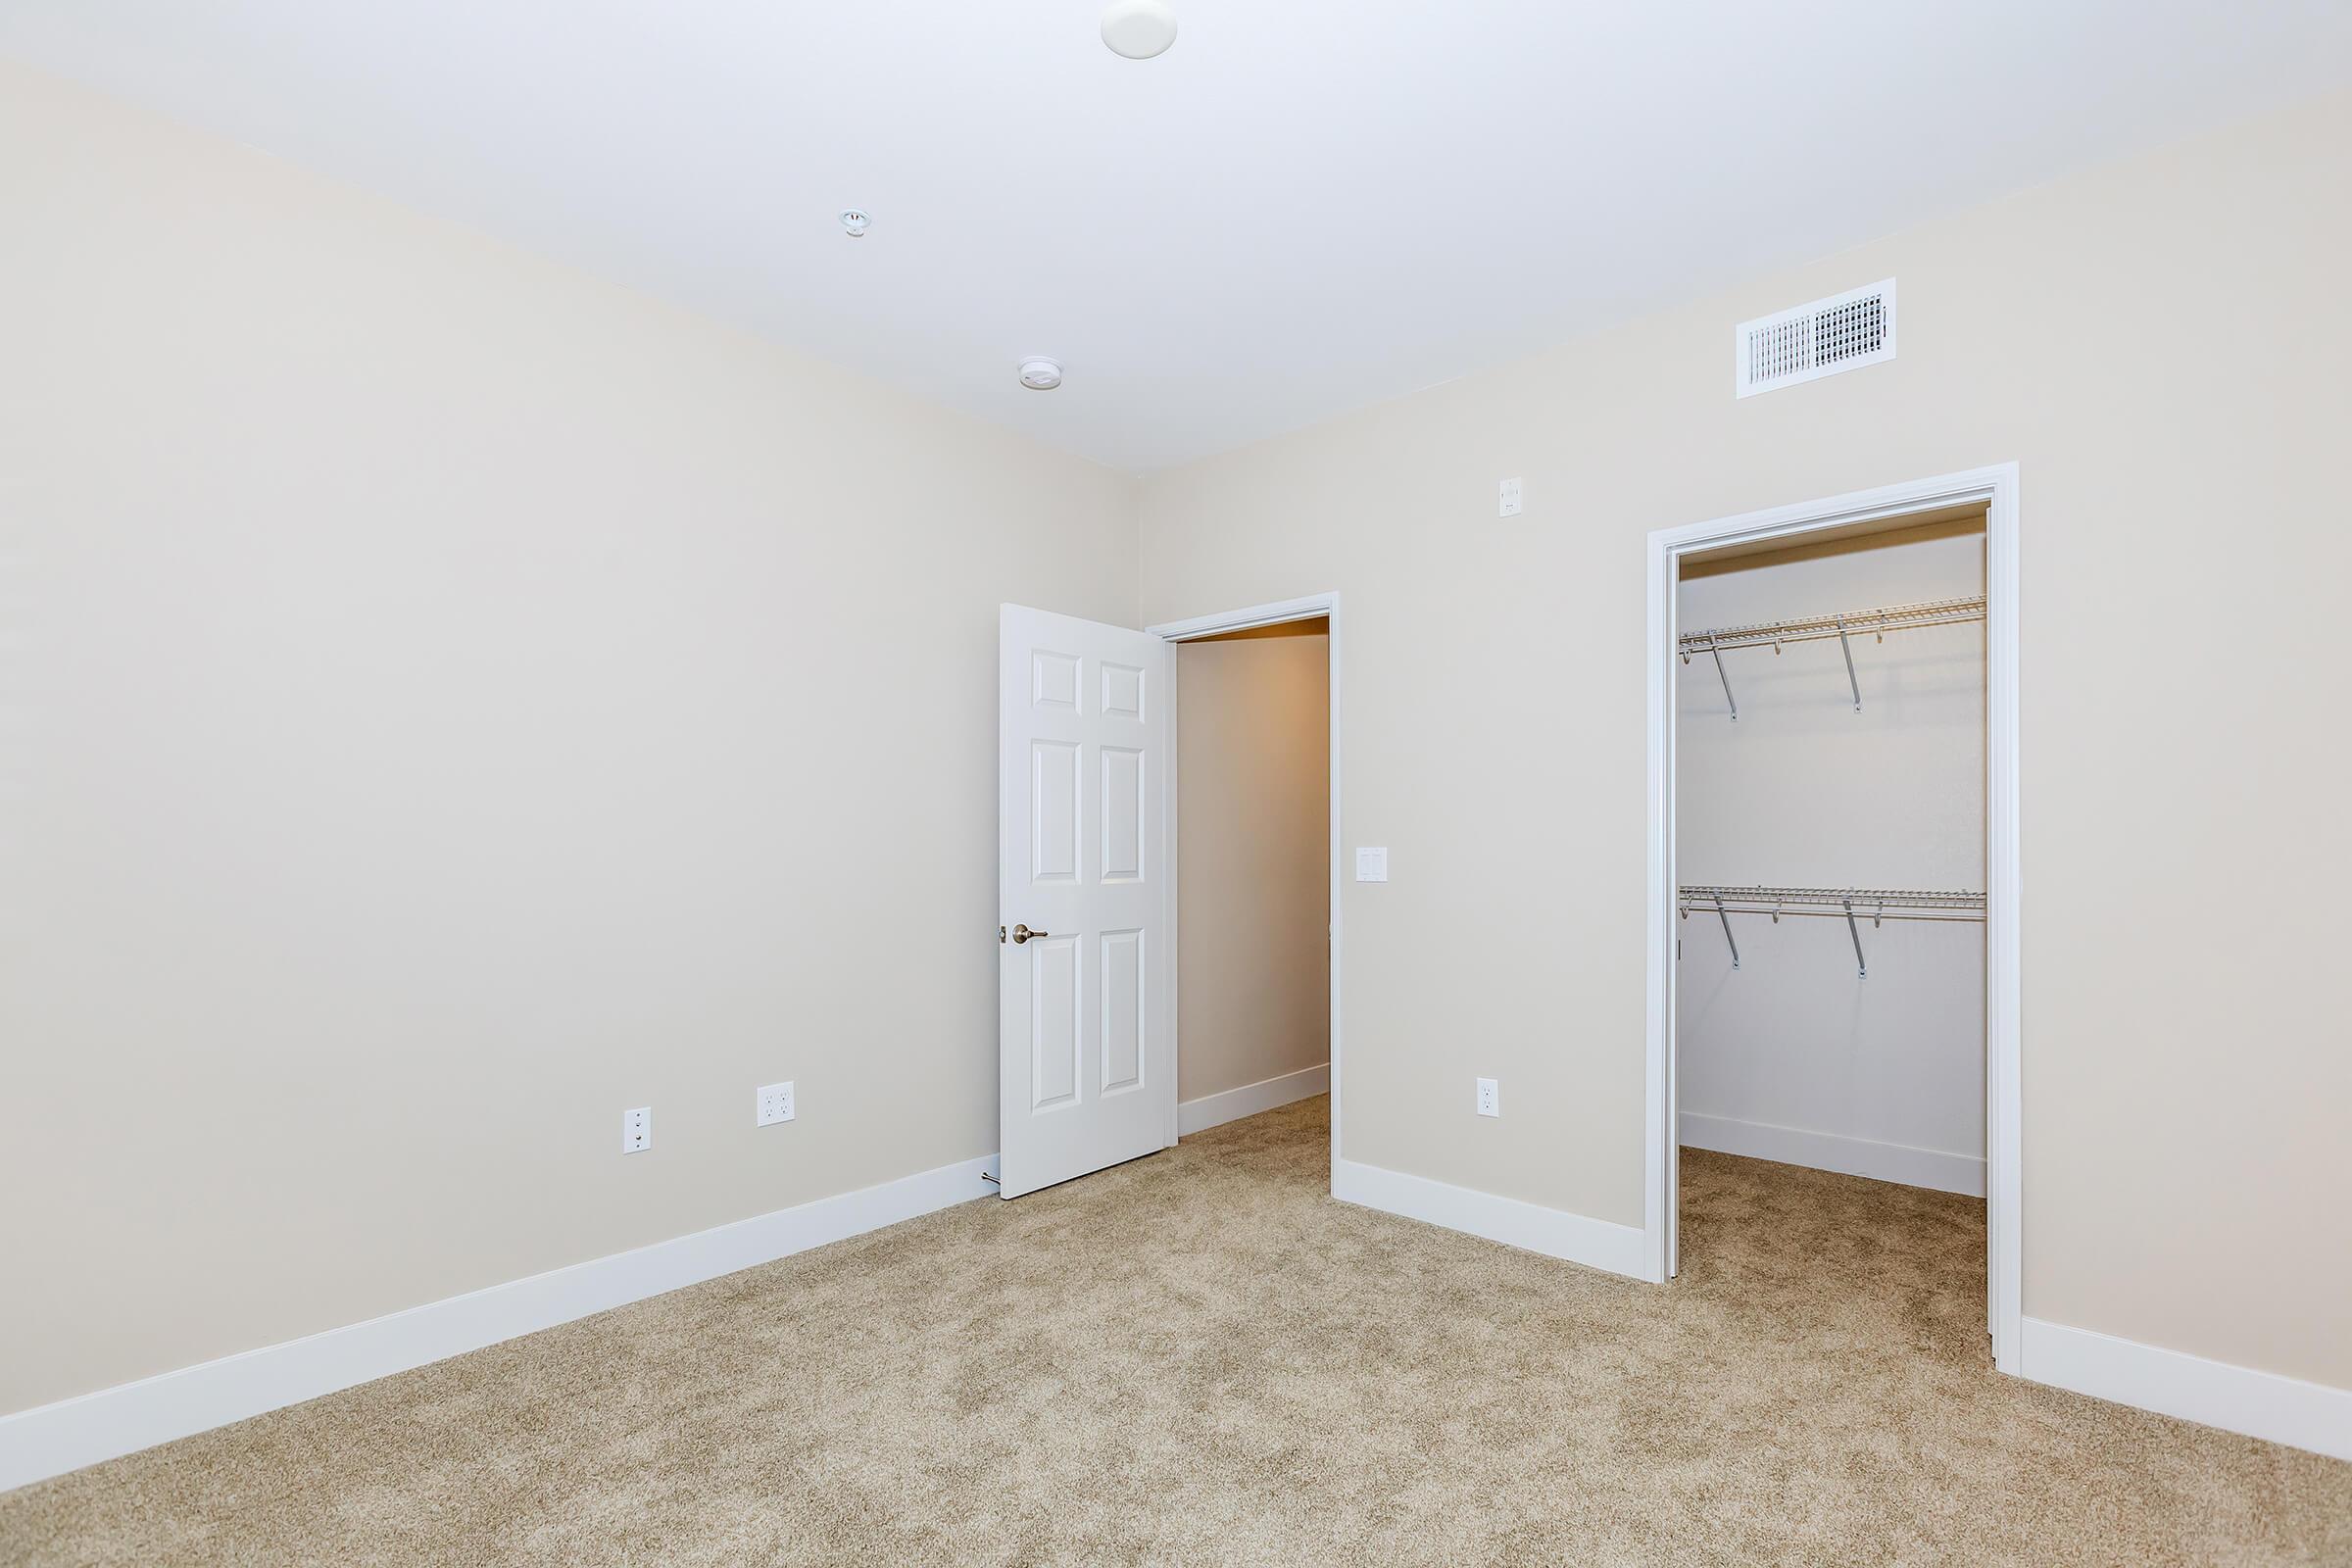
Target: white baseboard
{"points": [[1553, 1232], [52, 1439], [1849, 1156], [1194, 1116], [2235, 1398]]}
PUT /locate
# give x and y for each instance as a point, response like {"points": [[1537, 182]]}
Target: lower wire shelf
{"points": [[1852, 905]]}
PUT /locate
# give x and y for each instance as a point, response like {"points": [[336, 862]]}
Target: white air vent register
{"points": [[1842, 333]]}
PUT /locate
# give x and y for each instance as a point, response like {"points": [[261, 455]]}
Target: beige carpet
{"points": [[1200, 1358]]}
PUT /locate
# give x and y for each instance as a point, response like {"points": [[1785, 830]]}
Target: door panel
{"points": [[1054, 1039], [1087, 1042], [1122, 813], [1123, 1028]]}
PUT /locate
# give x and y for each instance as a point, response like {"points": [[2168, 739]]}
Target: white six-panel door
{"points": [[1087, 1014]]}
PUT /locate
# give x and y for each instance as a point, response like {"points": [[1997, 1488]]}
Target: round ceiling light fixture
{"points": [[855, 221], [1041, 374], [1139, 28]]}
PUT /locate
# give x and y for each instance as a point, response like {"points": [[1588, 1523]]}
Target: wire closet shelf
{"points": [[1851, 905], [1716, 641]]}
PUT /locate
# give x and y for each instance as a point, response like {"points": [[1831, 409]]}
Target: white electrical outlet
{"points": [[772, 1103], [1508, 505], [1490, 1099], [637, 1130]]}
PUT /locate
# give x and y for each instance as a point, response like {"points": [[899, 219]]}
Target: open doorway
{"points": [[1253, 870], [1829, 975], [1255, 840], [1834, 941], [1089, 939]]}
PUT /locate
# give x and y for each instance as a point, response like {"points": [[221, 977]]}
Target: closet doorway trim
{"points": [[1995, 488]]}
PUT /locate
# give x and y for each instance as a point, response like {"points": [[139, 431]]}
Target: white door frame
{"points": [[1996, 489], [1313, 607]]}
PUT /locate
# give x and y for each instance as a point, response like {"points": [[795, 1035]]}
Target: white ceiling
{"points": [[1304, 207]]}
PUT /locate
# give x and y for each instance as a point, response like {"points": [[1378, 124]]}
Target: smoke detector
{"points": [[1139, 28], [1041, 374], [855, 221]]}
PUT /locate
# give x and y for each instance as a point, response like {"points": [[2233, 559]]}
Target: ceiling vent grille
{"points": [[1842, 333]]}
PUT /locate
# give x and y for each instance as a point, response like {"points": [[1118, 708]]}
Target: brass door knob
{"points": [[1021, 933]]}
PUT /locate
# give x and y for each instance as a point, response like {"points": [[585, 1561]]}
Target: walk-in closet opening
{"points": [[1829, 742], [1253, 870]]}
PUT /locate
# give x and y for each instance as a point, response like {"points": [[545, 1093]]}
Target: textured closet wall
{"points": [[449, 700], [1885, 1076], [2185, 1092], [1253, 857]]}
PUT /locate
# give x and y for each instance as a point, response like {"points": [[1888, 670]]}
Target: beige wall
{"points": [[449, 700], [1253, 857], [2161, 345]]}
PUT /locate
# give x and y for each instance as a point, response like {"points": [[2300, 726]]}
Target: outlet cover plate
{"points": [[1490, 1097], [637, 1130], [772, 1103]]}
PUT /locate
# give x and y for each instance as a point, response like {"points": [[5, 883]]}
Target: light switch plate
{"points": [[1509, 506], [772, 1103], [1371, 865], [637, 1130], [1490, 1097]]}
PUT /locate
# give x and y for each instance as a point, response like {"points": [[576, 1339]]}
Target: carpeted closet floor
{"points": [[1200, 1358]]}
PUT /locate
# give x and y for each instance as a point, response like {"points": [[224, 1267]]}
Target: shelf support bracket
{"points": [[1726, 679], [1848, 649], [1727, 931], [1861, 964]]}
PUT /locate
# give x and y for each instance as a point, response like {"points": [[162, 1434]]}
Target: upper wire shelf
{"points": [[1894, 617], [1815, 628]]}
